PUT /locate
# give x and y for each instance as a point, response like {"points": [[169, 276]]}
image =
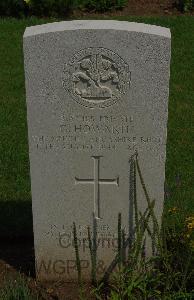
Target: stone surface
{"points": [[97, 91]]}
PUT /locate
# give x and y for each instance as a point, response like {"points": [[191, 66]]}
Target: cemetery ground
{"points": [[16, 236]]}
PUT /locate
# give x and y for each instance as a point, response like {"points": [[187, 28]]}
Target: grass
{"points": [[14, 160], [16, 290]]}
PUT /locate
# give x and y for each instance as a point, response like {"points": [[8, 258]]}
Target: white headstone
{"points": [[97, 91]]}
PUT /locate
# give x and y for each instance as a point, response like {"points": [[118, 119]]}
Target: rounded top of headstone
{"points": [[97, 25]]}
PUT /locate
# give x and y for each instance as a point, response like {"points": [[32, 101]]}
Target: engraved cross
{"points": [[96, 181]]}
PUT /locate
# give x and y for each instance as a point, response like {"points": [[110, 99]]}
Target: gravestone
{"points": [[97, 92]]}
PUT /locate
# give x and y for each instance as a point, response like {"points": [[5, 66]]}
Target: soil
{"points": [[18, 257], [139, 8]]}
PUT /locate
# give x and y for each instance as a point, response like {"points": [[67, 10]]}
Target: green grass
{"points": [[14, 160], [16, 290]]}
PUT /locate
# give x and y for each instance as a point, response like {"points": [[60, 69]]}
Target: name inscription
{"points": [[90, 132]]}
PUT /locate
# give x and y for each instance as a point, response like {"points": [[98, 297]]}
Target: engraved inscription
{"points": [[96, 181], [96, 77], [68, 142]]}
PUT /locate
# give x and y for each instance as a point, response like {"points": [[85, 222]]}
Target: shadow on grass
{"points": [[16, 235]]}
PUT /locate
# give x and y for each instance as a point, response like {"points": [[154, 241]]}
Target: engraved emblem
{"points": [[96, 77]]}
